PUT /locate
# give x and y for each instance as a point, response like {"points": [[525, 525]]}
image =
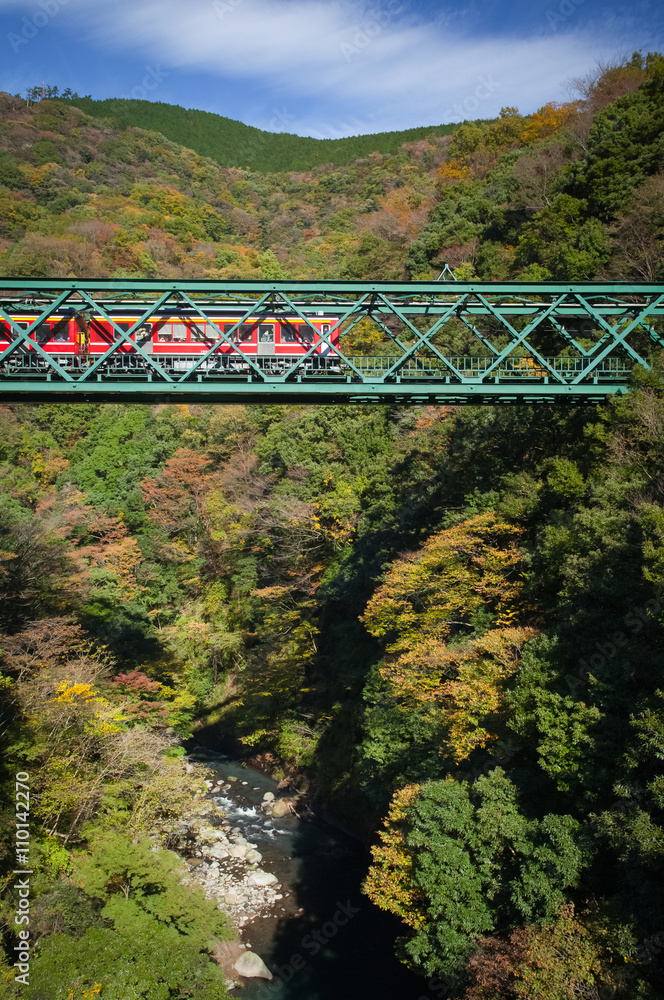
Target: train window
{"points": [[288, 334], [302, 334], [164, 334], [42, 333], [266, 333], [325, 328], [124, 327], [245, 331], [179, 332], [199, 332], [60, 333], [6, 333]]}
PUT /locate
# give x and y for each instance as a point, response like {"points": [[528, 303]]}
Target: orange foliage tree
{"points": [[176, 497], [569, 956]]}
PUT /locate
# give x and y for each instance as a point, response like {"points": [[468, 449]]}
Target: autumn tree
{"points": [[448, 616], [175, 498]]}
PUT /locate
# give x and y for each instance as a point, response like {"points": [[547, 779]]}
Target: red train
{"points": [[180, 336]]}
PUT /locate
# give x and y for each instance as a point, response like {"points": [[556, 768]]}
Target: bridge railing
{"points": [[459, 369]]}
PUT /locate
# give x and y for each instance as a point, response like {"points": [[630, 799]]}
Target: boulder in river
{"points": [[259, 877], [282, 807], [217, 851], [237, 851], [268, 797], [226, 953], [252, 966]]}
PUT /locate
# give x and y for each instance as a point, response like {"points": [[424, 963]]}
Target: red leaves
{"points": [[179, 490], [136, 682]]}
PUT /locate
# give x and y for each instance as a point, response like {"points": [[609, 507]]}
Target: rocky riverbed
{"points": [[229, 867]]}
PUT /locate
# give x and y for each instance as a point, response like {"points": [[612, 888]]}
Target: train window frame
{"points": [[164, 334], [125, 326], [179, 332], [144, 333], [6, 332], [266, 333], [39, 332]]}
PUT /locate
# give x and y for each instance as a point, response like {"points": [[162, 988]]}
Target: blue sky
{"points": [[320, 68]]}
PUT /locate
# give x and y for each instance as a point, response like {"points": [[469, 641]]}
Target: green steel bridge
{"points": [[435, 342]]}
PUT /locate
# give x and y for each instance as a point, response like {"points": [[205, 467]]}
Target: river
{"points": [[323, 940]]}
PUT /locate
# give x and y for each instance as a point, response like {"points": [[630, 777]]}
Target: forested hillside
{"points": [[233, 144], [445, 625]]}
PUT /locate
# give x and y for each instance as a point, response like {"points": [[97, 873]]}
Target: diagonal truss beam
{"points": [[23, 337]]}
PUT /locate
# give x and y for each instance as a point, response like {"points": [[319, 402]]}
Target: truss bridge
{"points": [[398, 342]]}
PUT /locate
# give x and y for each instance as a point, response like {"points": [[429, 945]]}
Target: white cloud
{"points": [[377, 64]]}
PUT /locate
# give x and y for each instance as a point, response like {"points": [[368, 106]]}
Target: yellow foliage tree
{"points": [[390, 883], [547, 121], [453, 171], [428, 601]]}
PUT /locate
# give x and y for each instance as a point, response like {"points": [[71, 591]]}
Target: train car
{"points": [[176, 336]]}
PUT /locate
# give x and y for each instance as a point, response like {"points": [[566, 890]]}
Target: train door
{"points": [[265, 339], [324, 348]]}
